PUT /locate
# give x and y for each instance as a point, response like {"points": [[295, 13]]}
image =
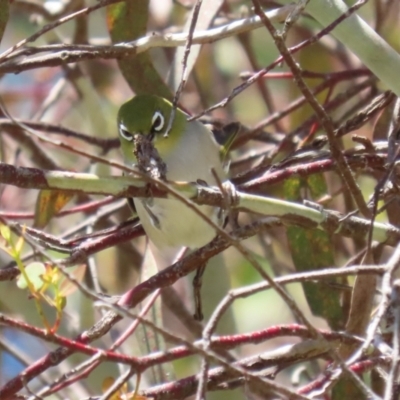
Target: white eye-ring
{"points": [[123, 131], [157, 123]]}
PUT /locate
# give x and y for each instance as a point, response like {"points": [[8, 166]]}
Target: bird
{"points": [[189, 153]]}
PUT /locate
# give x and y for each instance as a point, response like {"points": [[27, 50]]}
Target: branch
{"points": [[128, 186], [65, 54], [360, 38]]}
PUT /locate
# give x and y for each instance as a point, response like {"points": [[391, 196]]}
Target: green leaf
{"points": [[5, 232], [311, 250], [34, 271], [60, 302], [317, 185], [4, 14], [127, 21], [48, 204]]}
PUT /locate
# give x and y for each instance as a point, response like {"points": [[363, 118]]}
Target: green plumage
{"points": [[189, 152]]}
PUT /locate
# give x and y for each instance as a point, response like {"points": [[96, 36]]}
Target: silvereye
{"points": [[189, 152]]}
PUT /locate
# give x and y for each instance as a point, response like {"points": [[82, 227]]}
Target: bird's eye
{"points": [[157, 123], [123, 131]]}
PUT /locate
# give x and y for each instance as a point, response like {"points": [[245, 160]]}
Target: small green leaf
{"points": [[317, 185], [5, 232], [34, 271], [48, 204], [60, 302], [19, 245]]}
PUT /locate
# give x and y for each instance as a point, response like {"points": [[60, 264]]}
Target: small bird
{"points": [[189, 153]]}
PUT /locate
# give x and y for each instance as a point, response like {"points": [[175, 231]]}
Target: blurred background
{"points": [[73, 102]]}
